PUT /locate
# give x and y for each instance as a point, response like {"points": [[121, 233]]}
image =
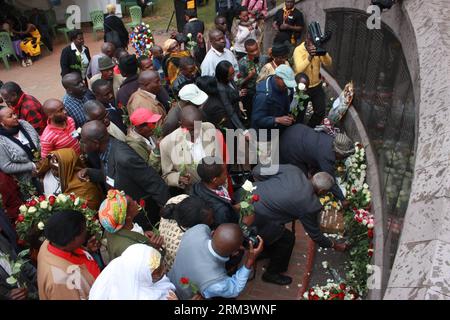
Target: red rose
{"points": [[142, 205], [255, 198], [72, 197], [354, 191], [342, 286], [20, 218], [52, 200], [370, 233], [42, 198], [315, 297], [359, 145], [84, 205], [370, 253], [341, 296], [21, 242], [33, 203], [184, 281]]}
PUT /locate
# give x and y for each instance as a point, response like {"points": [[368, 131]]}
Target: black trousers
{"points": [[280, 252], [318, 99]]}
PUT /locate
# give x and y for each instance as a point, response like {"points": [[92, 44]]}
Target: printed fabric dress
{"points": [[31, 45]]}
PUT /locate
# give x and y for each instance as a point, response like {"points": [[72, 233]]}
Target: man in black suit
{"points": [[123, 169], [196, 28], [75, 57]]}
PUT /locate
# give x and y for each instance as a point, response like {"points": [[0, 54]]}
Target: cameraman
{"points": [[306, 61]]}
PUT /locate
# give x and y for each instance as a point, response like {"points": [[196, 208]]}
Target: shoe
{"points": [[24, 64], [277, 278], [29, 62]]}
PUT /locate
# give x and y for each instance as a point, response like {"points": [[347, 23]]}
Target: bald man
{"points": [[201, 257], [60, 132], [145, 97], [184, 148], [123, 169], [95, 110], [217, 53], [76, 95], [107, 50]]}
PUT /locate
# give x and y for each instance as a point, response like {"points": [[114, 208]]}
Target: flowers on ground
{"points": [[331, 291]]}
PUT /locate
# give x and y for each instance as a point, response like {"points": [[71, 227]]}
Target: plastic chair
{"points": [[98, 19], [6, 49], [136, 16], [64, 30]]}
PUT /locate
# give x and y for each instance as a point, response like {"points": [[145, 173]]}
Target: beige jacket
{"points": [[176, 156], [56, 280], [117, 82], [146, 100]]}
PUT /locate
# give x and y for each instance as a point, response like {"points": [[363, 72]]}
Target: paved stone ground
{"points": [[43, 81]]}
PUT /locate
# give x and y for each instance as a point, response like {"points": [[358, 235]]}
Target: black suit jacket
{"points": [[69, 58]]}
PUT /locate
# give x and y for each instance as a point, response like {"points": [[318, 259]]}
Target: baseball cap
{"points": [[192, 93], [143, 115], [285, 72]]}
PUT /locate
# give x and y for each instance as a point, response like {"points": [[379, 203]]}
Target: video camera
{"points": [[383, 4], [319, 39], [250, 234]]}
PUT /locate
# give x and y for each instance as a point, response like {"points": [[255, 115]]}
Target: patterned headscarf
{"points": [[113, 211]]}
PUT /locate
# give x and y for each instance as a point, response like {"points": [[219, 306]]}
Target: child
{"points": [[246, 29]]}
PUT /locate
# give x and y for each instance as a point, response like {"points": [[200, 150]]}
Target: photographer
{"points": [[307, 61]]}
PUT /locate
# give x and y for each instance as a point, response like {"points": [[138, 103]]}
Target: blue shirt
{"points": [[231, 287], [75, 108]]}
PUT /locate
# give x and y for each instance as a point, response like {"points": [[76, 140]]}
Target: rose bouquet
{"points": [[35, 213], [299, 101], [248, 199], [331, 291], [142, 40]]}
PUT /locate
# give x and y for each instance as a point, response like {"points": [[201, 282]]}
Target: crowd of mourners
{"points": [[143, 140]]}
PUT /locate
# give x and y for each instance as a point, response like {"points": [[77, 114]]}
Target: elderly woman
{"points": [[116, 215], [172, 57], [65, 233], [62, 178], [181, 213], [19, 147], [138, 274], [115, 31]]}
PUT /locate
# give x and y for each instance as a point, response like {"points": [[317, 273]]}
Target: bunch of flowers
{"points": [[359, 198], [331, 291], [191, 44], [300, 98], [142, 39], [356, 167], [364, 217], [248, 199], [329, 202], [35, 213]]}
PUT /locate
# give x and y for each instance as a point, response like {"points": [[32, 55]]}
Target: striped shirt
{"points": [[55, 138]]}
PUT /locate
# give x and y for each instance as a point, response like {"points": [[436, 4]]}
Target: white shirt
{"points": [[137, 228], [212, 59], [23, 140], [52, 185], [196, 148], [84, 59]]}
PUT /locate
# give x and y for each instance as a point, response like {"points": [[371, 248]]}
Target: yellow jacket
{"points": [[310, 68]]}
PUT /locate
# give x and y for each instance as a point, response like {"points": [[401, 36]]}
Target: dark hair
{"points": [[74, 34], [241, 9], [128, 64], [142, 58], [282, 38], [219, 17], [188, 213], [249, 43], [186, 61], [301, 75], [191, 13], [119, 51], [64, 226], [209, 168], [207, 84], [98, 84], [12, 87], [222, 70]]}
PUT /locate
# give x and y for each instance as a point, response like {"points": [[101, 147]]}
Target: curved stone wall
{"points": [[420, 270]]}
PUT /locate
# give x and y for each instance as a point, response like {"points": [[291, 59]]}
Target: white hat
{"points": [[192, 93]]}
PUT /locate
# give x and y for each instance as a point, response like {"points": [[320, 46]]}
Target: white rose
{"points": [[365, 186], [369, 268], [23, 209], [41, 225], [364, 222], [32, 210], [248, 186], [301, 87], [325, 264], [189, 35], [44, 204], [77, 201], [324, 85], [320, 294], [370, 226], [61, 198], [306, 295]]}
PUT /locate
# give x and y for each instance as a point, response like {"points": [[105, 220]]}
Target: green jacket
{"points": [[119, 241], [140, 147]]}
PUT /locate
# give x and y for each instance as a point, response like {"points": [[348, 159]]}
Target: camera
{"points": [[250, 234], [319, 39]]}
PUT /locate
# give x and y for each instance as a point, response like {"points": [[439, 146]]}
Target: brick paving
{"points": [[43, 81]]}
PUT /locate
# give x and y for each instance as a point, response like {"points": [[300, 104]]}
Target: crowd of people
{"points": [[143, 140]]}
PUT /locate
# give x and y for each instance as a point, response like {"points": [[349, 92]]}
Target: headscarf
{"points": [[343, 145], [113, 211], [129, 277], [69, 164]]}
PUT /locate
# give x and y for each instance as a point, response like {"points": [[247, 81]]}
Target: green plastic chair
{"points": [[98, 19], [136, 16], [51, 19], [64, 30], [7, 49]]}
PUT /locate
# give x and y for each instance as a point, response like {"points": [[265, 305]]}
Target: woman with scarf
{"points": [[62, 178], [138, 274], [19, 148], [31, 42], [171, 60]]}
